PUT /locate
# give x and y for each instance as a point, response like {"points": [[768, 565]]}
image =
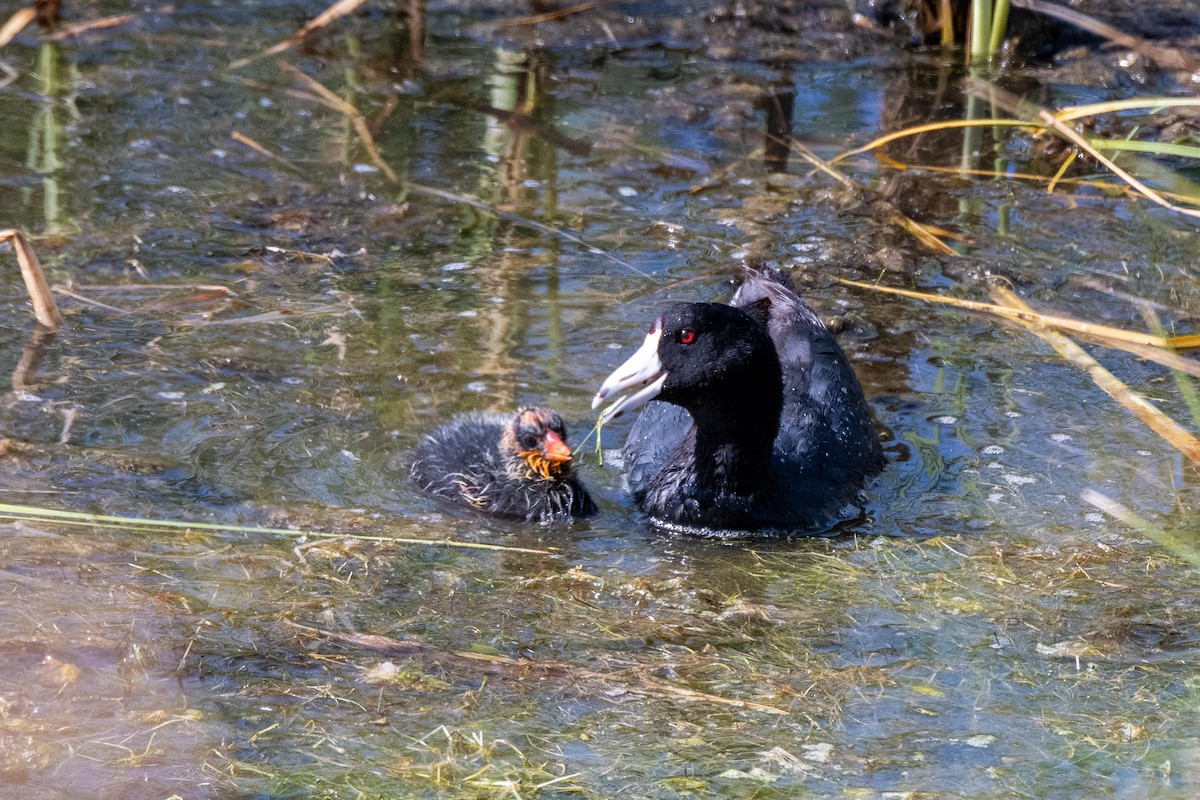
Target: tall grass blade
{"points": [[58, 516], [999, 27], [981, 29]]}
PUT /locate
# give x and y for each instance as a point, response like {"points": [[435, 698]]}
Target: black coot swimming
{"points": [[763, 424], [507, 466]]}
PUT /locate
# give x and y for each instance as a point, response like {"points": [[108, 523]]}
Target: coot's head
{"points": [[699, 356], [535, 444]]}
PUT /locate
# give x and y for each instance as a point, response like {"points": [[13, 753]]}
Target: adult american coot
{"points": [[763, 425], [507, 466]]}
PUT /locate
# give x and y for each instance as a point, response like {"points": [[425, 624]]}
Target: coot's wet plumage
{"points": [[763, 425], [507, 466]]}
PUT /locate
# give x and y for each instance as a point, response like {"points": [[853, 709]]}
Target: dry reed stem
{"points": [[1024, 314], [1010, 101], [1064, 114], [930, 127], [893, 214], [1147, 346], [1160, 354], [200, 294], [1112, 508], [71, 31], [918, 231], [286, 316], [1073, 112], [44, 307], [1069, 113], [153, 287], [1189, 341], [822, 165], [16, 23], [1170, 430], [331, 14], [1092, 183], [243, 139], [550, 16], [331, 100], [60, 517], [65, 292], [717, 177]]}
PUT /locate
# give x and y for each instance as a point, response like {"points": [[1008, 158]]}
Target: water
{"points": [[982, 632]]}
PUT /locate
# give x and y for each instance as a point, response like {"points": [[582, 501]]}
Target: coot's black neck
{"points": [[734, 435], [722, 468]]}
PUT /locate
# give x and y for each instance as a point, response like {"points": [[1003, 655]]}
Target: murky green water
{"points": [[982, 633]]}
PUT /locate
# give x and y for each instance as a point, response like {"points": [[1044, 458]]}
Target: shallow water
{"points": [[981, 632]]}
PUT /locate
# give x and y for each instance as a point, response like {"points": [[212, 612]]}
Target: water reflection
{"points": [[43, 156], [778, 104]]}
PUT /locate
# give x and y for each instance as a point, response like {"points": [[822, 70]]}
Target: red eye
{"points": [[686, 336]]}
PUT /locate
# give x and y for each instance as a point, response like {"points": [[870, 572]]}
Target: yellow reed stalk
{"points": [[1170, 430], [1022, 314]]}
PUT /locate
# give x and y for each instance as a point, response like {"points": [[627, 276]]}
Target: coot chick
{"points": [[507, 466], [763, 425]]}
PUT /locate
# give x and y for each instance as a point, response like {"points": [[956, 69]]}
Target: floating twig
{"points": [[65, 292], [243, 139], [152, 287], [200, 294]]}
